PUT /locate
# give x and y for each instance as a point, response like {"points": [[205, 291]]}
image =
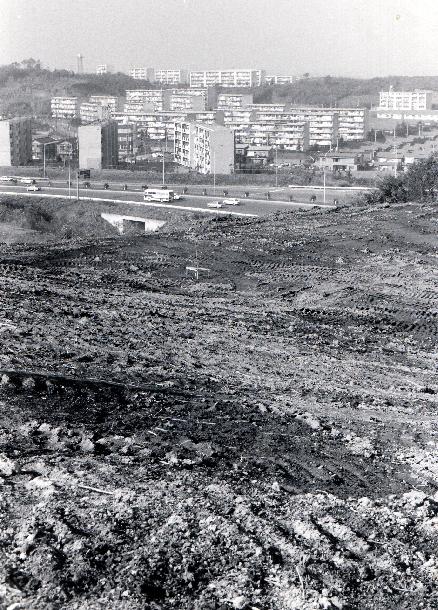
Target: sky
{"points": [[358, 38]]}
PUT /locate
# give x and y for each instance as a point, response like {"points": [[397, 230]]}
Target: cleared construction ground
{"points": [[263, 437]]}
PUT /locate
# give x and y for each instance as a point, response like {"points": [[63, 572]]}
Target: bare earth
{"points": [[262, 438]]}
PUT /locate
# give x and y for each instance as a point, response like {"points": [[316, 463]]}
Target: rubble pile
{"points": [[261, 437]]}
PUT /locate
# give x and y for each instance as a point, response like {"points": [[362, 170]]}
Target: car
{"points": [[177, 197], [231, 201], [27, 180], [214, 204], [33, 187], [8, 179]]}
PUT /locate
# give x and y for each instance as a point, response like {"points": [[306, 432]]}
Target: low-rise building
{"points": [[205, 148], [341, 161], [98, 145], [43, 147], [67, 148], [16, 141], [65, 107]]}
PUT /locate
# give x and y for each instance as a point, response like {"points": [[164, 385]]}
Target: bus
{"points": [[158, 195]]}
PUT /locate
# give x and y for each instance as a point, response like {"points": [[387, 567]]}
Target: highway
{"points": [[190, 203]]}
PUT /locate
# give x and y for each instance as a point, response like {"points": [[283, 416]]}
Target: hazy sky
{"points": [[337, 37]]}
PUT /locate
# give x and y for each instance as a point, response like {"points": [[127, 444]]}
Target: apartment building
{"points": [[64, 107], [98, 145], [108, 101], [406, 100], [146, 99], [16, 141], [154, 125], [276, 79], [142, 74], [185, 99], [227, 78], [205, 148], [126, 137], [104, 69], [171, 77], [234, 100], [90, 112]]}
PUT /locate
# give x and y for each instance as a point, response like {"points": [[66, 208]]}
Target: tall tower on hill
{"points": [[80, 59]]}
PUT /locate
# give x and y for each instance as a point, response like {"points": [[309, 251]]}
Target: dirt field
{"points": [[263, 438]]}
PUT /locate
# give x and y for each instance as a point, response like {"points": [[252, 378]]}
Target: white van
{"points": [[158, 195]]}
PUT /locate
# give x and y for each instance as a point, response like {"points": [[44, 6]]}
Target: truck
{"points": [[158, 195]]}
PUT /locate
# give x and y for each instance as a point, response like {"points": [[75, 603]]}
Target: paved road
{"points": [[298, 193], [191, 203]]}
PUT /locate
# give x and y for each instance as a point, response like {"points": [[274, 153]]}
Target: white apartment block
{"points": [[16, 141], [205, 148], [138, 99], [405, 100], [104, 69], [234, 100], [154, 125], [186, 100], [140, 73], [90, 112], [64, 107], [276, 79], [171, 77], [227, 78], [108, 101]]}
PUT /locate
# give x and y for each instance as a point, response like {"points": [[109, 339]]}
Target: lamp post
{"points": [[276, 166]]}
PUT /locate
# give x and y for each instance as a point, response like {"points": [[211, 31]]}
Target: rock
{"points": [[7, 466], [239, 602]]}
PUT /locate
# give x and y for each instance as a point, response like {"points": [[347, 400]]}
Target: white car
{"points": [[231, 201], [177, 197], [33, 187], [8, 179], [214, 204]]}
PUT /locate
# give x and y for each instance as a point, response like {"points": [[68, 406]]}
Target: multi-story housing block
{"points": [[108, 101], [406, 100], [186, 100], [153, 125], [146, 99], [98, 145], [65, 107], [204, 148], [171, 77], [90, 112], [126, 135], [104, 69], [276, 79], [16, 141], [142, 74], [234, 100], [227, 78]]}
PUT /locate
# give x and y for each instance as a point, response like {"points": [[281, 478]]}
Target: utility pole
{"points": [[77, 185], [44, 160], [165, 151], [69, 179], [276, 166], [214, 171]]}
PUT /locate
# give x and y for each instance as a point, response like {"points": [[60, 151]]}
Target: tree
{"points": [[421, 180]]}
